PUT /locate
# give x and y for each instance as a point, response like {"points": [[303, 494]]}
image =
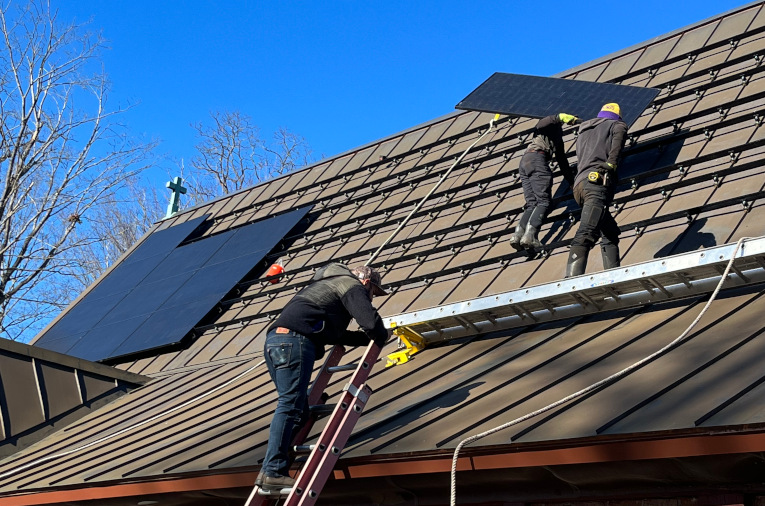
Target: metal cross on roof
{"points": [[176, 186]]}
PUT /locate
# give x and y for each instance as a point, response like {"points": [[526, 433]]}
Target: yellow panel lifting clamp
{"points": [[413, 343]]}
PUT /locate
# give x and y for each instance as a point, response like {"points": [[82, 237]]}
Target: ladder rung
{"points": [[322, 409], [303, 448], [340, 368]]}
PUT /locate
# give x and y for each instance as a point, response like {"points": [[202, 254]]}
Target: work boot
{"points": [[259, 479], [529, 239], [577, 261], [515, 238], [277, 482], [610, 254]]}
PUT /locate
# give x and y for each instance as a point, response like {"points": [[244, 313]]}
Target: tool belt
{"points": [[598, 178]]}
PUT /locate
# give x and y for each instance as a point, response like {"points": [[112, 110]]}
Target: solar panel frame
{"points": [[537, 97]]}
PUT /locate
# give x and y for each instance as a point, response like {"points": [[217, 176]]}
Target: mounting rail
{"points": [[668, 278]]}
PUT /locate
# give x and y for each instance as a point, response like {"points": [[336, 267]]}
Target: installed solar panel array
{"points": [[162, 290]]}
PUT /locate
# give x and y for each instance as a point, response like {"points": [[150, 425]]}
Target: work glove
{"points": [[605, 167], [568, 119], [380, 341]]}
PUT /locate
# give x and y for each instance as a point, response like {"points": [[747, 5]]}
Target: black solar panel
{"points": [[537, 97], [162, 290]]}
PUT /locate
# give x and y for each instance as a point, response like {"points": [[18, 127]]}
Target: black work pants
{"points": [[536, 180], [596, 220]]}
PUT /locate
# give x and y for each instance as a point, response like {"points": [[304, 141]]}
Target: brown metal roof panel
{"points": [[382, 151], [401, 298], [21, 403], [620, 66], [433, 133], [474, 283], [61, 389], [488, 169], [713, 365], [674, 110], [693, 40], [583, 417], [158, 364], [211, 344], [406, 143], [216, 427], [359, 159], [151, 439], [287, 203], [739, 183], [755, 85], [264, 212], [751, 46], [387, 175], [435, 155], [731, 371], [443, 380], [461, 124], [249, 341], [521, 366], [652, 239], [654, 55], [591, 74], [681, 199], [269, 189], [758, 21], [596, 355], [725, 138], [731, 27]]}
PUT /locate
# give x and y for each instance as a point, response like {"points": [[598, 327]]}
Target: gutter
{"points": [[588, 451]]}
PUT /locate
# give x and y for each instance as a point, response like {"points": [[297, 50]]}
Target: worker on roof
{"points": [[536, 177], [316, 316], [598, 147]]}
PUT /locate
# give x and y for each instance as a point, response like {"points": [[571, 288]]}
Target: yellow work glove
{"points": [[568, 119]]}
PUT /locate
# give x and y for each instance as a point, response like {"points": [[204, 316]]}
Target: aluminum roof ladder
{"points": [[668, 278], [325, 453]]}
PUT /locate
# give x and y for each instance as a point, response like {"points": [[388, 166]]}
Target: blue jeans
{"points": [[289, 358]]}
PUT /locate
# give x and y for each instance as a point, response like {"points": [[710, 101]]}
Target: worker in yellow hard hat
{"points": [[598, 147]]}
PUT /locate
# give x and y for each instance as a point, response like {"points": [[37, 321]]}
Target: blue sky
{"points": [[343, 73]]}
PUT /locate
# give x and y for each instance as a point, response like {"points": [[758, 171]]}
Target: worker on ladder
{"points": [[598, 146], [536, 177], [316, 316]]}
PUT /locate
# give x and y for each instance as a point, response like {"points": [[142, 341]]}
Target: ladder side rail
{"points": [[341, 423], [316, 475], [317, 389], [314, 397]]}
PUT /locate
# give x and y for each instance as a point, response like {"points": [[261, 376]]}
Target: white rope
{"points": [[132, 427], [594, 386], [426, 197]]}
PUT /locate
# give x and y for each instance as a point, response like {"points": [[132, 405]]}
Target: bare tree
{"points": [[231, 156], [63, 158], [121, 221]]}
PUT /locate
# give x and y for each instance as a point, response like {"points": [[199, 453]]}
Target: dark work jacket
{"points": [[600, 141], [322, 310], [548, 137]]}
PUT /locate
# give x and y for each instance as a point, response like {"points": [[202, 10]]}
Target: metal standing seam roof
{"points": [[692, 177]]}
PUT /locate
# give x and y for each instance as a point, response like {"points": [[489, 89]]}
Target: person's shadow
{"points": [[689, 240]]}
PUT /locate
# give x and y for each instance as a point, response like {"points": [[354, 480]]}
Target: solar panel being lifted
{"points": [[537, 97], [162, 290]]}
